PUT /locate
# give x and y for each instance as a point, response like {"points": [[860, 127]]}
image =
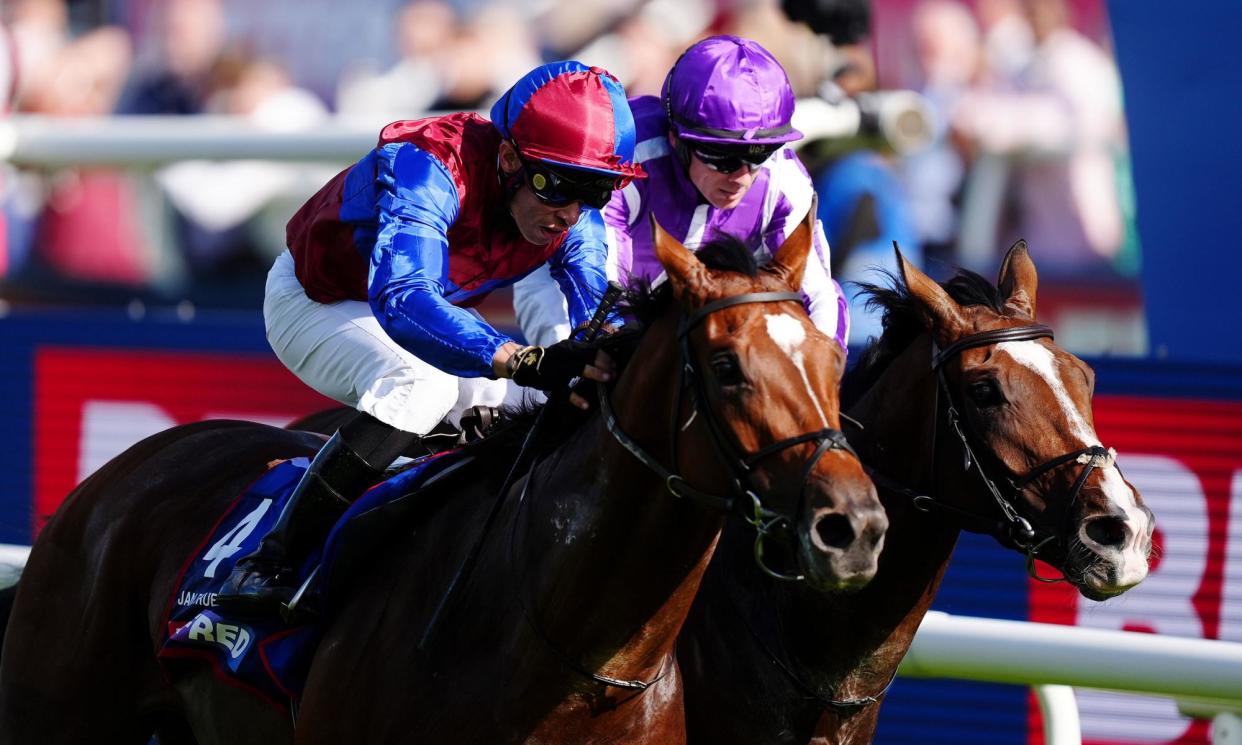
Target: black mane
{"points": [[644, 303], [903, 323]]}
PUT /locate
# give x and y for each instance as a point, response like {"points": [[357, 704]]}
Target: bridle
{"points": [[1013, 527], [741, 465]]}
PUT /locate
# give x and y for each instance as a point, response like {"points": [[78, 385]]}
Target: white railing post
{"points": [[1060, 713], [1226, 729]]}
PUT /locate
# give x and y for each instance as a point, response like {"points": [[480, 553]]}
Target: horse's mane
{"points": [[641, 305], [903, 323]]}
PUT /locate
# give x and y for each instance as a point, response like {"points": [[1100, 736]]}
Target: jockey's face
{"points": [[539, 223], [723, 190]]}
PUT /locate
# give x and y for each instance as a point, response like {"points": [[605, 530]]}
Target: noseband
{"points": [[1014, 527], [741, 466]]}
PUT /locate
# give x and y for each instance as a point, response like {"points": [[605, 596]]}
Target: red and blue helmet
{"points": [[565, 114]]}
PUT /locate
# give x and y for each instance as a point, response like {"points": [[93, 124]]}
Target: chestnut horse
{"points": [[564, 630], [971, 417]]}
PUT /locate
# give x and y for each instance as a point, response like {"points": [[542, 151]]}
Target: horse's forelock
{"points": [[903, 323]]}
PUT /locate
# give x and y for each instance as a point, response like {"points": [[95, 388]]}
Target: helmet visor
{"points": [[726, 159]]}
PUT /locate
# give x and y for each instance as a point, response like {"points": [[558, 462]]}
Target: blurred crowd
{"points": [[1024, 104]]}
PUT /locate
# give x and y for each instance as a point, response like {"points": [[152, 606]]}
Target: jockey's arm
{"points": [[824, 300], [409, 264], [578, 267]]}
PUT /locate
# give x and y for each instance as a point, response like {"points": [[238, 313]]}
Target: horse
{"points": [[563, 631], [968, 416]]}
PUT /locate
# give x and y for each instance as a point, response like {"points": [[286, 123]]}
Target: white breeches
{"points": [[541, 309], [340, 350]]}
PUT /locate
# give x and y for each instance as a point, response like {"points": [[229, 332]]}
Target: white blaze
{"points": [[1040, 359], [789, 334]]}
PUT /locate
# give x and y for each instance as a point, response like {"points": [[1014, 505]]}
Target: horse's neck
{"points": [[866, 633], [619, 558]]}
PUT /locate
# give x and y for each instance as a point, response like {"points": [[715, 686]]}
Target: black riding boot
{"points": [[350, 463]]}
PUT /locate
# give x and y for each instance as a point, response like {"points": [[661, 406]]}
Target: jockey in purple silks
{"points": [[713, 148]]}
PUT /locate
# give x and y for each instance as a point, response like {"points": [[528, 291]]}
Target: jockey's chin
{"points": [[541, 223]]}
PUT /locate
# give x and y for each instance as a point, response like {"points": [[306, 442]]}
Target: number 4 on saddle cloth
{"points": [[268, 657]]}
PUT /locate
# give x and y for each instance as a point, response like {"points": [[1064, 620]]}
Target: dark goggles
{"points": [[730, 159], [559, 186]]}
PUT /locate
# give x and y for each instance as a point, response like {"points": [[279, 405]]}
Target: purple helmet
{"points": [[728, 90]]}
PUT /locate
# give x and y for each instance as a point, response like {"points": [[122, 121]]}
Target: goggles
{"points": [[558, 187], [730, 159]]}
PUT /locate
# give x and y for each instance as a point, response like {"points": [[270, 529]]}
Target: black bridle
{"points": [[741, 466], [1013, 527]]}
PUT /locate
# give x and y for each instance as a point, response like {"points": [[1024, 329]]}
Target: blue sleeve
{"points": [[578, 266], [418, 202]]}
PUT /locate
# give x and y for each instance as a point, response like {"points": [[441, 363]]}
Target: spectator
{"points": [[87, 228], [490, 46], [948, 47], [425, 30], [222, 199], [176, 77], [1007, 40], [1061, 132]]}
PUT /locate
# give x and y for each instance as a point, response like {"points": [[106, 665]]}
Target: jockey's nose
{"points": [[569, 214]]}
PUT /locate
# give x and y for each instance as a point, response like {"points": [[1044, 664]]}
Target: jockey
{"points": [[712, 147], [370, 304]]}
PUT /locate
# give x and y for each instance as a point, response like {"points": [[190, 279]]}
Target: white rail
{"points": [[1038, 653], [155, 140], [901, 117]]}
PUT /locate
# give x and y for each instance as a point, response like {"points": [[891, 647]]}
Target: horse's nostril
{"points": [[1107, 531], [835, 531]]}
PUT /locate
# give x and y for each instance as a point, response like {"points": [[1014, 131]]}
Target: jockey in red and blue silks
{"points": [[371, 304], [713, 147]]}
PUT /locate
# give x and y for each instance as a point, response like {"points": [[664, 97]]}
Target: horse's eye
{"points": [[727, 369], [985, 393]]}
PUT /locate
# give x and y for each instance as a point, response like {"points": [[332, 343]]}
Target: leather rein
{"points": [[764, 520], [1012, 527]]}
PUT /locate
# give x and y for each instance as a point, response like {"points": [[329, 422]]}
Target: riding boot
{"points": [[262, 582]]}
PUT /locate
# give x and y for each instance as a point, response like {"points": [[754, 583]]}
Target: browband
{"points": [[995, 336]]}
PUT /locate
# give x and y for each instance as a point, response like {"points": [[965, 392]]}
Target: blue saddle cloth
{"points": [[266, 656]]}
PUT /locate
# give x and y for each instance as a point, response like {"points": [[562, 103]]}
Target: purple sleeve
{"points": [[791, 194]]}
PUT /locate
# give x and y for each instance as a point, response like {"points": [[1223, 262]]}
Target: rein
{"points": [[1012, 527], [765, 521]]}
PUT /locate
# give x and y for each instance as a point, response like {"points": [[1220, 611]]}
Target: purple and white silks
{"points": [[775, 204]]}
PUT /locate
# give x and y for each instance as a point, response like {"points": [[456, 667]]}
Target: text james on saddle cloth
{"points": [[713, 149], [369, 304]]}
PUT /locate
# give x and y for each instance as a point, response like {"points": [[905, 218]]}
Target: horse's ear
{"points": [[683, 267], [943, 312], [1016, 282], [789, 261]]}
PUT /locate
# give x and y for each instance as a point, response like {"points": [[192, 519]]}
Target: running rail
{"points": [[899, 117], [1204, 676], [1027, 653]]}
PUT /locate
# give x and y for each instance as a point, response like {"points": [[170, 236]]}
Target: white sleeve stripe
{"points": [[648, 149], [698, 224], [789, 181], [633, 202], [610, 263]]}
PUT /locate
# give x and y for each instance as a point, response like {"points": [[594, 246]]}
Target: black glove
{"points": [[550, 368]]}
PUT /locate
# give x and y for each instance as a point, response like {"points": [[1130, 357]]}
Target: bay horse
{"points": [[565, 629], [970, 417]]}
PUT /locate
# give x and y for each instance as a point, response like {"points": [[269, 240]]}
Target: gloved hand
{"points": [[550, 368]]}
